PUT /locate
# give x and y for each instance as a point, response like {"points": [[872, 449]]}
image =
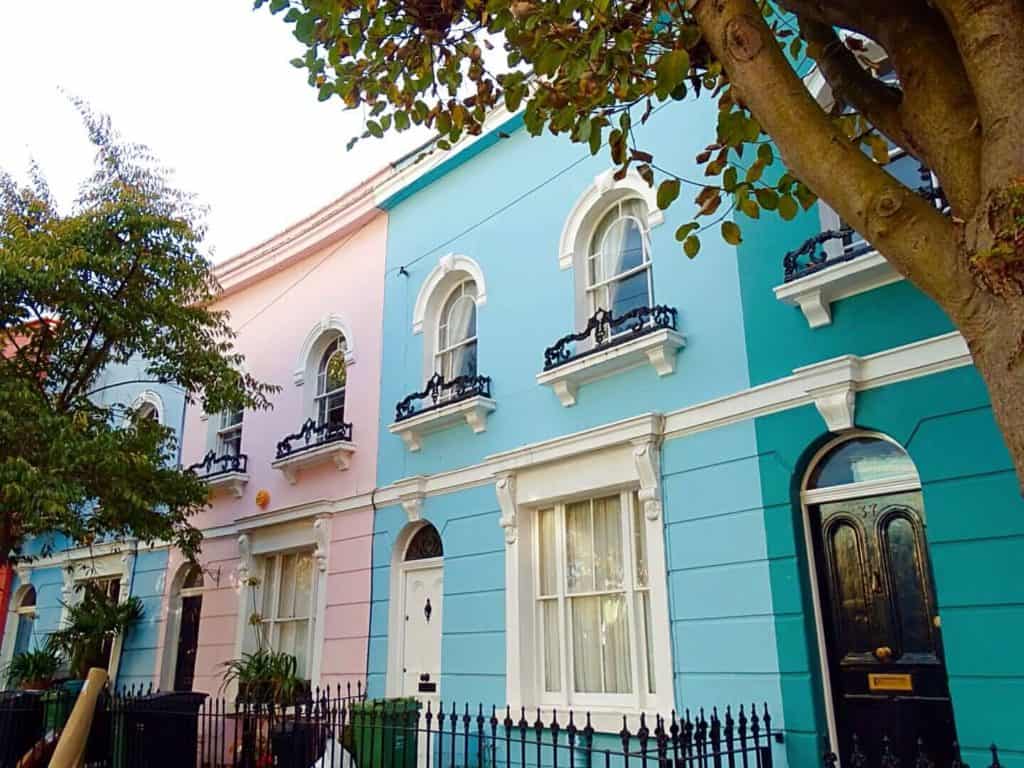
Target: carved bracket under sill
{"points": [[658, 349], [234, 482], [815, 293], [474, 411], [338, 452]]}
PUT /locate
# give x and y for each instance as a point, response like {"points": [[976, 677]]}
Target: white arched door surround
{"points": [[415, 619], [184, 598], [876, 619], [19, 620]]}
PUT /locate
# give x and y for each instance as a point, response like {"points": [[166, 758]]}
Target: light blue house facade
{"points": [[781, 484], [45, 582]]}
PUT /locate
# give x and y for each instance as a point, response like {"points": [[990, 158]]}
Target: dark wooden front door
{"points": [[881, 627], [188, 643]]}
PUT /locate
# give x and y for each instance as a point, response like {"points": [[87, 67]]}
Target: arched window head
{"points": [[618, 261], [425, 544], [149, 411], [861, 459], [332, 374], [26, 612], [456, 333], [28, 600], [193, 578]]}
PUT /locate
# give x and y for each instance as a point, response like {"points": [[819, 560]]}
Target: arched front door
{"points": [[877, 608], [189, 614], [422, 587]]}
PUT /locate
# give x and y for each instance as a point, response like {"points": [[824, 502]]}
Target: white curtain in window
{"points": [[460, 327], [621, 247]]}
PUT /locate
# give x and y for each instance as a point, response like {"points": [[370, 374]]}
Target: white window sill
{"points": [[339, 452], [231, 481], [474, 411], [657, 349], [815, 293]]}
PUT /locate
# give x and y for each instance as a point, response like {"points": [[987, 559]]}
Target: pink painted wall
{"points": [[273, 314]]}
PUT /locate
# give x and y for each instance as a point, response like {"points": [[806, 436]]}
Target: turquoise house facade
{"points": [[45, 582], [806, 423]]}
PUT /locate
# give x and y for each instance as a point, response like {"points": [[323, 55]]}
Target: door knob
{"points": [[883, 653]]}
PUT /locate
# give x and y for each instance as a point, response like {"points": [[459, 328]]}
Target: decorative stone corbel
{"points": [[566, 392], [836, 404], [245, 561], [128, 555], [322, 537], [505, 487], [647, 457], [411, 496]]}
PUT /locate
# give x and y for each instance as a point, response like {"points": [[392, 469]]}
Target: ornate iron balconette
{"points": [[213, 465], [313, 435], [609, 331], [810, 257], [440, 393]]}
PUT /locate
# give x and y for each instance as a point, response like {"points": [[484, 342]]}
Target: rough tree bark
{"points": [[965, 126]]}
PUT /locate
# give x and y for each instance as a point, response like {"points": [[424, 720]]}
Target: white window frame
{"points": [[441, 353], [640, 698], [271, 620], [322, 399], [593, 290], [230, 431]]}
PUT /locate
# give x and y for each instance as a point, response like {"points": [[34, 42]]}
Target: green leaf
{"points": [[691, 246], [729, 179], [787, 207], [670, 70], [668, 191], [374, 129], [765, 154], [767, 199], [684, 231], [731, 233]]}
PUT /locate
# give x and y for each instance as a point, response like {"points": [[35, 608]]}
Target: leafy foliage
{"points": [[92, 622], [35, 667], [264, 676], [581, 68], [121, 276]]}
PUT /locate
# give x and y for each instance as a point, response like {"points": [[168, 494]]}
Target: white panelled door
{"points": [[421, 645]]}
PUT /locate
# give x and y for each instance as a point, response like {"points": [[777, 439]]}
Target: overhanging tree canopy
{"points": [[121, 276], [588, 68]]}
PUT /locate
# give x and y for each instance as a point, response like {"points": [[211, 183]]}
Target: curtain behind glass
{"points": [[460, 326]]}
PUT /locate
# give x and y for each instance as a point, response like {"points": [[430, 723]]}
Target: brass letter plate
{"points": [[881, 682]]}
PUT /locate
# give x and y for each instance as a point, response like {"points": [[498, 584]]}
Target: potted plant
{"points": [[264, 677], [34, 669], [93, 623]]}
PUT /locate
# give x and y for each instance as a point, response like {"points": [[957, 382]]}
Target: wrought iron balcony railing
{"points": [[213, 465], [439, 393], [313, 435], [609, 331], [811, 256]]}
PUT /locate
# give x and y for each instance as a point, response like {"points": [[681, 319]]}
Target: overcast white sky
{"points": [[205, 83]]}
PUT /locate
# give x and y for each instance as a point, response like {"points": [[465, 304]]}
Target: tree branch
{"points": [[990, 37], [916, 239], [878, 102]]}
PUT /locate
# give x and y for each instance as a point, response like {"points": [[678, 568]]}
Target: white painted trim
{"points": [[396, 603], [474, 411], [339, 452], [911, 361], [433, 286], [233, 482], [605, 190], [659, 349], [11, 623], [815, 293], [172, 626], [150, 397], [852, 490], [326, 324]]}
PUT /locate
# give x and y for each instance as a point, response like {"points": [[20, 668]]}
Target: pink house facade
{"points": [[286, 554]]}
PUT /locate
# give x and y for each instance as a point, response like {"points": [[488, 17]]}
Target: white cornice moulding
{"points": [[234, 482], [658, 348], [815, 293], [474, 411], [338, 452]]}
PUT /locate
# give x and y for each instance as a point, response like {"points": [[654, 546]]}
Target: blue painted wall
{"points": [[117, 385], [505, 208]]}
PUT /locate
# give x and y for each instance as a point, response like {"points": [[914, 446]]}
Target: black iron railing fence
{"points": [[877, 750], [313, 434], [213, 465], [438, 392], [340, 729], [604, 329]]}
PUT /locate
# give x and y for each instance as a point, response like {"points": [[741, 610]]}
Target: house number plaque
{"points": [[889, 682]]}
